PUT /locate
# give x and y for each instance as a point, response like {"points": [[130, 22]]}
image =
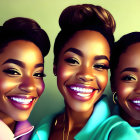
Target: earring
{"points": [[114, 97]]}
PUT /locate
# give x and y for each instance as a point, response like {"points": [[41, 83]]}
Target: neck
{"points": [[76, 120], [129, 119], [7, 120]]}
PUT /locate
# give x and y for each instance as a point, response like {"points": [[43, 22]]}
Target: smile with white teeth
{"points": [[83, 95], [137, 102], [21, 100], [81, 90]]}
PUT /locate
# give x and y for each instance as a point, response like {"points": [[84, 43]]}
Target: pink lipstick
{"points": [[21, 102], [81, 92], [135, 103]]}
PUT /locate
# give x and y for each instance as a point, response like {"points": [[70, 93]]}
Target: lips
{"points": [[135, 103], [81, 92], [21, 102]]}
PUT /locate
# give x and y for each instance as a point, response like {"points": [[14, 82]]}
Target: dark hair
{"points": [[120, 47], [24, 29], [83, 17]]}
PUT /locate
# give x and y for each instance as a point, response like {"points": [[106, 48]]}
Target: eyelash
{"points": [[14, 72], [101, 66], [11, 72], [128, 78], [39, 74], [72, 61]]}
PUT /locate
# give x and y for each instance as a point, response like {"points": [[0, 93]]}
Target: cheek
{"points": [[7, 85], [63, 73], [124, 90], [40, 87], [102, 79]]}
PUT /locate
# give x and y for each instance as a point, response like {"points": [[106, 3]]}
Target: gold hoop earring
{"points": [[114, 97]]}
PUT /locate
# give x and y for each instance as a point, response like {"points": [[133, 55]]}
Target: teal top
{"points": [[137, 129], [115, 128], [116, 111], [99, 115], [99, 126]]}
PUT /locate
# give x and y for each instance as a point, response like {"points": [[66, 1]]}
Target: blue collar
{"points": [[100, 113]]}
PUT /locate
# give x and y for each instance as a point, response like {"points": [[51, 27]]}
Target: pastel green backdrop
{"points": [[46, 13]]}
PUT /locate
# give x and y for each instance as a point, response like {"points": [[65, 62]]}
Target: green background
{"points": [[46, 13]]}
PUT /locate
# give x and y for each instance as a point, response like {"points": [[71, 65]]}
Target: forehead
{"points": [[22, 50], [88, 40], [131, 57]]}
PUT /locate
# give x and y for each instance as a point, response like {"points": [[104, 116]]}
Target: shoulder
{"points": [[116, 128], [43, 128]]}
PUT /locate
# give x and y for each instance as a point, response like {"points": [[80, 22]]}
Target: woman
{"points": [[124, 66], [81, 61], [125, 77], [23, 46]]}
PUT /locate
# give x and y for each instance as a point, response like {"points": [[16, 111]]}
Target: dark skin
{"points": [[126, 85], [72, 123], [82, 76], [19, 79], [128, 118]]}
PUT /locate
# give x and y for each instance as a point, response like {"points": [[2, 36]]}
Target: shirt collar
{"points": [[100, 113], [22, 128]]}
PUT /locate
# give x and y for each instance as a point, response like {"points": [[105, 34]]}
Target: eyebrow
{"points": [[14, 61], [21, 64], [74, 50], [78, 52], [130, 69], [39, 65], [98, 57]]}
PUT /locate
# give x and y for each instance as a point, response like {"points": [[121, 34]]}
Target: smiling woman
{"points": [[81, 61], [21, 75], [125, 78], [82, 73]]}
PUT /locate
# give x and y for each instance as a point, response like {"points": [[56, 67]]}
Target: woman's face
{"points": [[82, 69], [127, 81], [21, 82]]}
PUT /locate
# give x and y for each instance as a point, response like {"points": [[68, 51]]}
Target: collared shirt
{"points": [[100, 113], [116, 111], [23, 130]]}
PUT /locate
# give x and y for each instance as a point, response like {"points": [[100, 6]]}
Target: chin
{"points": [[137, 118], [80, 107], [21, 116]]}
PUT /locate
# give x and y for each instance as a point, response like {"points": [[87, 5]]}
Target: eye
{"points": [[12, 72], [101, 66], [128, 78], [39, 74], [72, 61]]}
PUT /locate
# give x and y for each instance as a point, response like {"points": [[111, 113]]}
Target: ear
{"points": [[54, 70]]}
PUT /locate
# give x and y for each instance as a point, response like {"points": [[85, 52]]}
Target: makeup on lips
{"points": [[135, 103], [21, 102], [81, 92]]}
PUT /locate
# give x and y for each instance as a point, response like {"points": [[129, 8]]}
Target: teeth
{"points": [[83, 95], [83, 90], [136, 102], [21, 100]]}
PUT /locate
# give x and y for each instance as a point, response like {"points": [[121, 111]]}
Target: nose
{"points": [[27, 84], [86, 74]]}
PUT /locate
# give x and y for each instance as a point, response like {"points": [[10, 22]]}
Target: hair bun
{"points": [[80, 16]]}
